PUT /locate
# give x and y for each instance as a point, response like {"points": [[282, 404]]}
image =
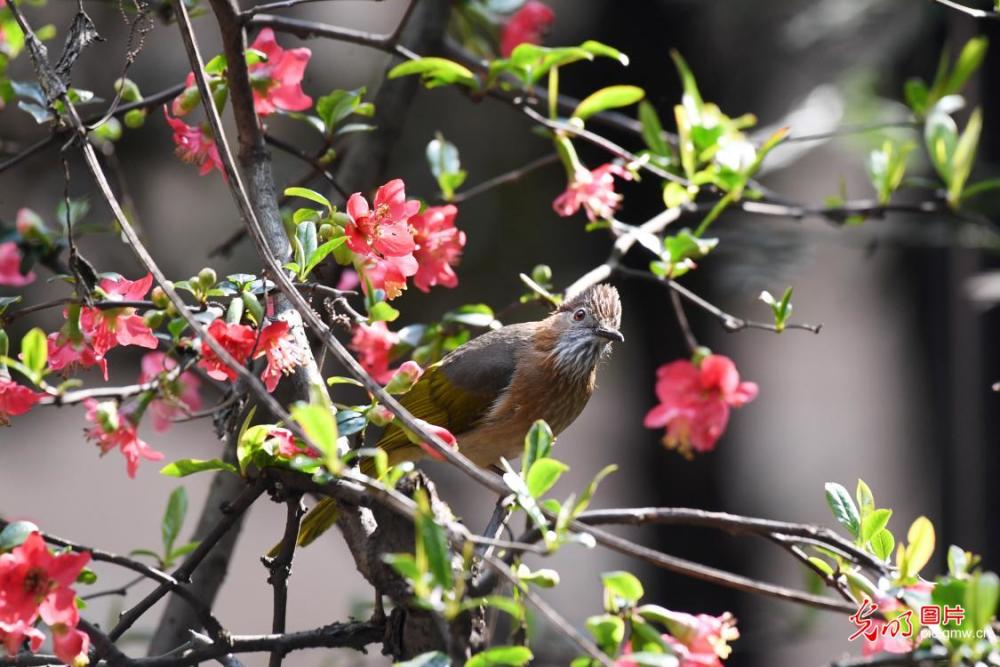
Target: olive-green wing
{"points": [[458, 391]]}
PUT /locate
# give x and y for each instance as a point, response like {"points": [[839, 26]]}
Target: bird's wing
{"points": [[459, 390]]}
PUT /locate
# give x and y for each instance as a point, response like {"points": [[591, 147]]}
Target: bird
{"points": [[489, 391]]}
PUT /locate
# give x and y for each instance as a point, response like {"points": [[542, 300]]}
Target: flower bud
{"points": [[30, 226], [128, 89], [380, 415], [159, 297], [207, 277], [154, 319], [542, 274], [404, 378], [135, 118], [186, 101], [325, 232]]}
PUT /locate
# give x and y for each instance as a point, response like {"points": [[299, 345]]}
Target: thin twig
{"points": [[281, 568]]}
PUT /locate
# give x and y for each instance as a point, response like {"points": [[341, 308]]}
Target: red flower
{"points": [[283, 354], [109, 327], [374, 344], [277, 82], [289, 447], [236, 339], [67, 355], [176, 397], [33, 584], [438, 247], [112, 429], [594, 191], [15, 399], [404, 378], [10, 266], [695, 402], [381, 238], [195, 145], [527, 24]]}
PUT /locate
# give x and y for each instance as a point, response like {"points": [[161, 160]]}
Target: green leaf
{"points": [[404, 564], [183, 550], [173, 518], [965, 154], [917, 96], [920, 546], [432, 659], [611, 97], [843, 508], [941, 135], [318, 424], [474, 315], [501, 655], [544, 577], [432, 545], [591, 489], [350, 422], [874, 523], [35, 352], [305, 234], [185, 467], [981, 599], [537, 445], [15, 533], [339, 104], [866, 501], [543, 475], [652, 130], [442, 156], [623, 585], [381, 311], [608, 632], [651, 659], [311, 195], [882, 544], [822, 565], [968, 62], [691, 93], [435, 72], [321, 253]]}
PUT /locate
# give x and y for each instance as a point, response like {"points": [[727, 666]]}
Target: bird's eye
{"points": [[579, 315]]}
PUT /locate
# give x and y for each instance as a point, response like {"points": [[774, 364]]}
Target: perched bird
{"points": [[489, 391]]}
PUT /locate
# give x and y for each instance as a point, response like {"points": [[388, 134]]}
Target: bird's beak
{"points": [[610, 334]]}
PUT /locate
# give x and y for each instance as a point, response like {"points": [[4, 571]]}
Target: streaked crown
{"points": [[586, 325]]}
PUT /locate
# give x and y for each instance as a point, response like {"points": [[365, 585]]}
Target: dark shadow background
{"points": [[896, 389]]}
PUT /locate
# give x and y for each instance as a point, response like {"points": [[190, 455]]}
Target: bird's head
{"points": [[585, 326]]}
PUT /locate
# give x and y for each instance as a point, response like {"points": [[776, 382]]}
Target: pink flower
{"points": [[283, 354], [71, 645], [114, 429], [195, 145], [236, 339], [67, 355], [177, 397], [381, 237], [348, 280], [185, 103], [702, 640], [594, 191], [277, 82], [404, 378], [442, 434], [289, 447], [10, 266], [109, 327], [695, 401], [373, 345], [33, 584], [438, 247], [15, 399], [527, 24]]}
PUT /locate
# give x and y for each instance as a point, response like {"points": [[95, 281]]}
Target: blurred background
{"points": [[895, 389]]}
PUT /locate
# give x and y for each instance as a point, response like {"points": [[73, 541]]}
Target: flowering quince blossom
{"points": [[68, 355], [34, 583], [594, 191], [875, 632], [195, 145], [438, 247], [277, 81], [176, 397], [526, 25], [10, 266], [236, 339], [373, 344], [696, 641], [283, 355], [380, 236], [404, 378], [15, 399], [288, 447], [110, 327], [695, 401], [113, 429]]}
